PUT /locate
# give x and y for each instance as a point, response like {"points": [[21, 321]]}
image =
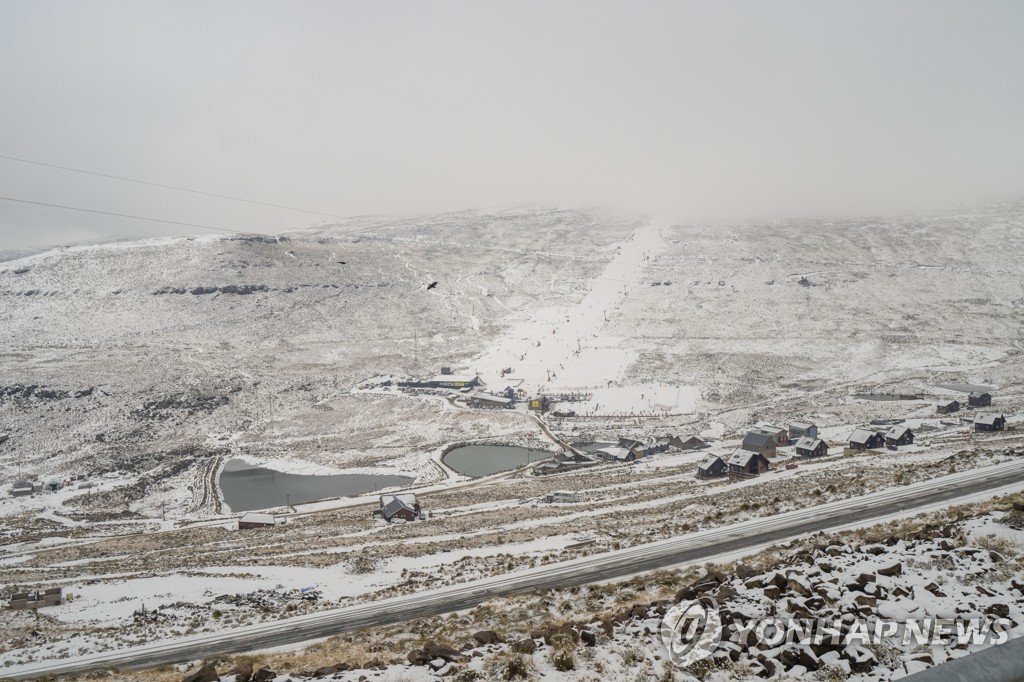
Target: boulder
{"points": [[865, 578], [865, 600], [799, 586], [418, 657], [724, 593], [205, 674], [524, 646], [686, 594], [588, 637], [435, 650], [487, 637], [325, 671], [554, 633], [264, 674], [860, 659], [772, 592], [998, 610], [743, 572], [374, 664], [808, 659], [891, 571]]}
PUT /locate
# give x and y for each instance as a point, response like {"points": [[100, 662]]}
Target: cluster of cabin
{"points": [[24, 487], [760, 445], [630, 449]]}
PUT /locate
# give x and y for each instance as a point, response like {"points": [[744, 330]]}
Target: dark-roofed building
{"points": [[989, 421], [628, 443], [455, 380], [491, 401], [811, 447], [798, 430], [780, 434], [865, 439], [899, 435], [760, 442], [712, 466], [648, 449], [979, 399], [747, 464], [403, 506], [684, 442], [250, 520], [948, 407], [22, 488], [539, 403]]}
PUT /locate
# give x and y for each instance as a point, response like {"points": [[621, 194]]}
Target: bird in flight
{"points": [[431, 286]]}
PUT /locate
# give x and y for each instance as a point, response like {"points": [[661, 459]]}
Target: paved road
{"points": [[694, 547]]}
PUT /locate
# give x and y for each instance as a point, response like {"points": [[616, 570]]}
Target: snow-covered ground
{"points": [[148, 365]]}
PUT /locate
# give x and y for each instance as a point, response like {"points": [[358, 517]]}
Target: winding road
{"points": [[695, 547]]}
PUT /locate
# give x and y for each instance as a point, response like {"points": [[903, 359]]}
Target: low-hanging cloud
{"points": [[694, 110]]}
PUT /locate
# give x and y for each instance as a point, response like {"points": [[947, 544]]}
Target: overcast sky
{"points": [[697, 110]]}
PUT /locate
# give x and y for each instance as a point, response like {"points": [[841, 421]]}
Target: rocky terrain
{"points": [[966, 562]]}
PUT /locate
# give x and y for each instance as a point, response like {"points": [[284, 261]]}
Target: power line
{"points": [[125, 215], [157, 184]]}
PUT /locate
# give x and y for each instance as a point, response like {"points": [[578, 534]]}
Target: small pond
{"points": [[884, 397], [967, 388], [247, 487], [593, 447], [484, 460]]}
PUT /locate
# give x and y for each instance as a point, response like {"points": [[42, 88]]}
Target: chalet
{"points": [[563, 496], [539, 404], [989, 421], [798, 430], [979, 399], [403, 506], [899, 435], [811, 447], [760, 442], [250, 520], [648, 449], [746, 464], [865, 439], [712, 466], [616, 454], [684, 442], [487, 400], [455, 380], [948, 408], [628, 443], [779, 434], [570, 456]]}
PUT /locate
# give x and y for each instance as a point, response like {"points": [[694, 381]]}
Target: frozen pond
{"points": [[246, 487], [884, 397], [484, 460], [967, 388]]}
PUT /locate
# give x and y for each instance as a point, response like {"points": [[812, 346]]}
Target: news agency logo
{"points": [[692, 631]]}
